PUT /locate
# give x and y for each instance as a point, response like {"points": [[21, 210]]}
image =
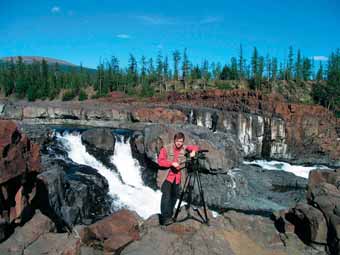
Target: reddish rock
{"points": [[17, 153], [19, 158], [116, 230]]}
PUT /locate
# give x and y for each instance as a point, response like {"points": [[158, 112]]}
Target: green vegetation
{"points": [[294, 76]]}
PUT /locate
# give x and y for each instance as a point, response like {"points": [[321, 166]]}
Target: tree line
{"points": [[147, 76]]}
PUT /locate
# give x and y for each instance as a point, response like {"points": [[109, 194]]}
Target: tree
{"points": [[205, 73], [185, 68], [298, 67], [254, 63], [233, 69], [289, 71], [20, 79], [196, 73], [274, 69], [306, 69], [319, 75], [241, 64], [176, 58], [225, 73], [143, 69]]}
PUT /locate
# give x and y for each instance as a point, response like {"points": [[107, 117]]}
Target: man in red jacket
{"points": [[171, 159]]}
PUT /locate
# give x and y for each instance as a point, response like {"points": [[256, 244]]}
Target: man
{"points": [[172, 159]]}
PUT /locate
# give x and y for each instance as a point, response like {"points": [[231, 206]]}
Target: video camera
{"points": [[195, 163]]}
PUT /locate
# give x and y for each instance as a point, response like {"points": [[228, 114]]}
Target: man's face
{"points": [[179, 143]]}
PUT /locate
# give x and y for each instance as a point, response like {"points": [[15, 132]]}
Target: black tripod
{"points": [[193, 167]]}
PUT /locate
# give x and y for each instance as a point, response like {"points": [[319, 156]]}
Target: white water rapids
{"points": [[131, 193], [302, 171]]}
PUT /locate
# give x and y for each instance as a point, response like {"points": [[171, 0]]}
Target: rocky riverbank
{"points": [[41, 186], [266, 126]]}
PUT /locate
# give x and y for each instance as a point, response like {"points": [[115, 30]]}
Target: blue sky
{"points": [[89, 31]]}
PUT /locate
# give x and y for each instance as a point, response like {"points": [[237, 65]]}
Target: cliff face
{"points": [[266, 126]]}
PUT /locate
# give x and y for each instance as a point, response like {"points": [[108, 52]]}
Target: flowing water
{"points": [[125, 186]]}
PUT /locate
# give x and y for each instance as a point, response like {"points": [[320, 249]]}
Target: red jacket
{"points": [[163, 161]]}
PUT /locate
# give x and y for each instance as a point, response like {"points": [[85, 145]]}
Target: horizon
{"points": [[88, 33]]}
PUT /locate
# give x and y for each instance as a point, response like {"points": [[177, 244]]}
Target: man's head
{"points": [[179, 140]]}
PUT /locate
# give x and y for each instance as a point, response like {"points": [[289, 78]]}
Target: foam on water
{"points": [[130, 193], [298, 170]]}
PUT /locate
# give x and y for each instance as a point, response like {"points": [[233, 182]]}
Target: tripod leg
{"points": [[202, 197], [187, 180]]}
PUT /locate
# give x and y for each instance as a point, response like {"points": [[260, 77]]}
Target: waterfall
{"points": [[131, 193]]}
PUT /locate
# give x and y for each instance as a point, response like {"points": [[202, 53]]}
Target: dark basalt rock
{"points": [[99, 142], [77, 194]]}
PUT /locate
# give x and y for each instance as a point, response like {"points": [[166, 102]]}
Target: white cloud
{"points": [[123, 36], [55, 9], [320, 58]]}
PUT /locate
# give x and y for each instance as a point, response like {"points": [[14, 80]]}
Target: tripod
{"points": [[193, 177]]}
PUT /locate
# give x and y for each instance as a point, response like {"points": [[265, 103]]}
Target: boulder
{"points": [[76, 193], [17, 154], [99, 142], [115, 231], [24, 236], [313, 223]]}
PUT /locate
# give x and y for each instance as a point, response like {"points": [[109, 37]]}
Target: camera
{"points": [[196, 163]]}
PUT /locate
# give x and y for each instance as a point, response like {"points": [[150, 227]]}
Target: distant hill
{"points": [[64, 65]]}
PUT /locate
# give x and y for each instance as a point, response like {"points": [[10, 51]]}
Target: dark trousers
{"points": [[169, 197]]}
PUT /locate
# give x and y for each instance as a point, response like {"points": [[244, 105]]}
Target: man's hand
{"points": [[192, 154], [175, 164]]}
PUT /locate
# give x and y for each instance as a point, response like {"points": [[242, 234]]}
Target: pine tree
{"points": [[233, 69], [306, 69], [241, 64], [185, 68], [319, 75], [254, 63], [176, 58], [289, 72], [205, 73], [21, 80], [274, 69], [143, 69], [298, 66], [225, 73]]}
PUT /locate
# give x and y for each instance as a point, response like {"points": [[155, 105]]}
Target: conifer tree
{"points": [[176, 58]]}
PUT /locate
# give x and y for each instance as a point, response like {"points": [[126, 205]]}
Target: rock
{"points": [[313, 223], [32, 112], [326, 197], [66, 113], [55, 244], [231, 233], [19, 165], [12, 112], [76, 193], [99, 142], [17, 153], [116, 231], [158, 115], [27, 234]]}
